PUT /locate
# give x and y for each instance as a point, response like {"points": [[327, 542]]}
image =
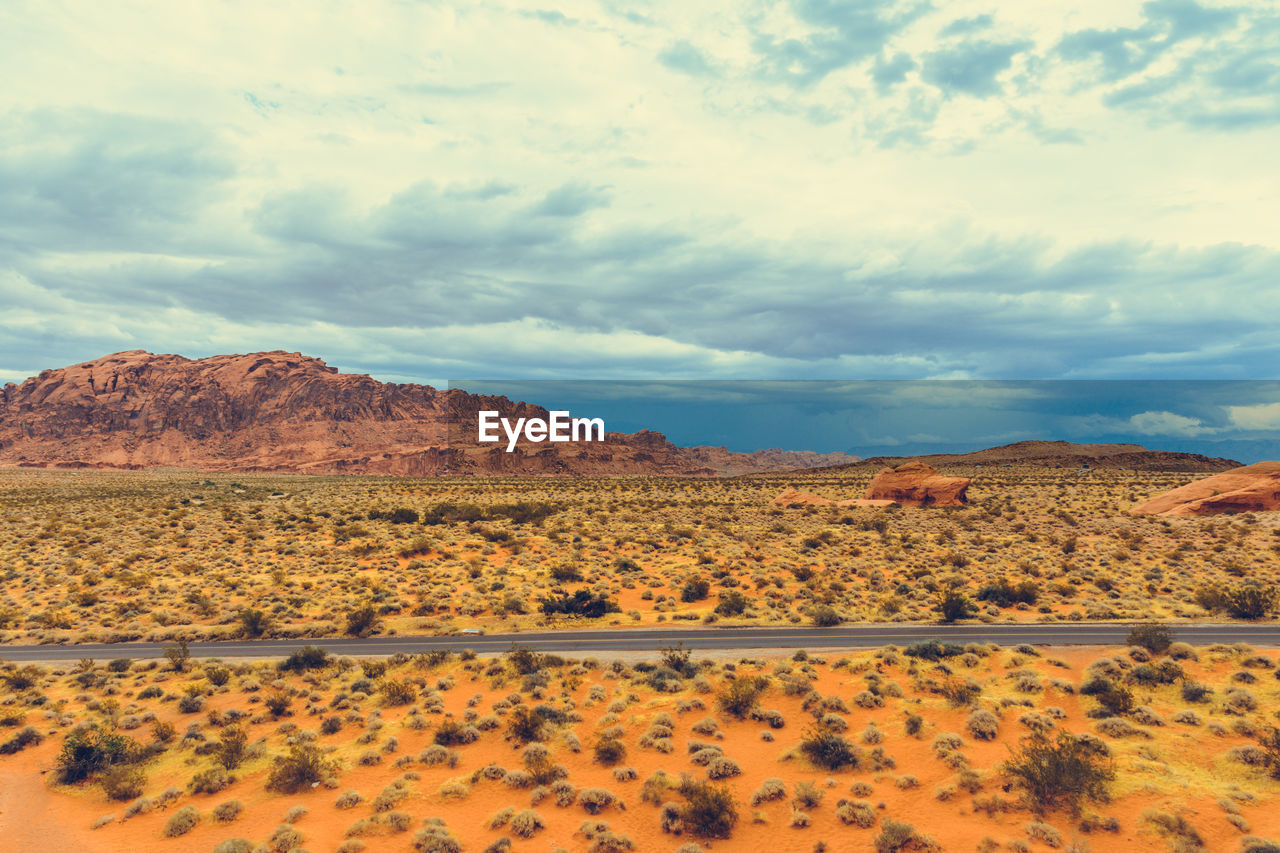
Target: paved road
{"points": [[698, 639]]}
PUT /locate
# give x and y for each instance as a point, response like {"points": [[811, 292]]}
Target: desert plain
{"points": [[1156, 745]]}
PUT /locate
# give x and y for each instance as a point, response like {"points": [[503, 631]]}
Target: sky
{"points": [[804, 190], [1238, 419]]}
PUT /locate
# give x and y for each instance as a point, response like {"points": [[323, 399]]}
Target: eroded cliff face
{"points": [[286, 412]]}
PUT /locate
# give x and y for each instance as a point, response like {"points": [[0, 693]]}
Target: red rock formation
{"points": [[917, 484], [286, 412], [1251, 488]]}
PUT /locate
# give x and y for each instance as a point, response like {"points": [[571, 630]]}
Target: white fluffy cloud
{"points": [[1262, 416]]}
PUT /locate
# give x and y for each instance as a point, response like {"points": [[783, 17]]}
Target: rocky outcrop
{"points": [[286, 412], [917, 484], [1251, 488]]}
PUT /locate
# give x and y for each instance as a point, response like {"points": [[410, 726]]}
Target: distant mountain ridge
{"points": [[1059, 454], [287, 412]]}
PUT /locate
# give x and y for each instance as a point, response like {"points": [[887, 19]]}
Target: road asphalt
{"points": [[650, 639]]}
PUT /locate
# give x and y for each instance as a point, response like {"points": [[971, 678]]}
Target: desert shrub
{"points": [[1115, 699], [229, 751], [807, 795], [435, 838], [609, 751], [182, 821], [527, 725], [234, 845], [954, 605], [722, 767], [1152, 636], [361, 621], [610, 842], [210, 781], [695, 589], [1006, 593], [87, 752], [896, 836], [1176, 828], [1059, 773], [1254, 844], [825, 616], [1117, 727], [526, 824], [1249, 601], [566, 573], [124, 782], [1044, 832], [960, 692], [284, 839], [228, 811], [933, 650], [305, 659], [304, 766], [739, 696], [1194, 691], [982, 724], [253, 622], [732, 603], [828, 750], [397, 692], [582, 602], [1146, 717], [278, 703], [1269, 743], [1239, 701], [709, 811], [856, 813], [25, 737], [770, 789]]}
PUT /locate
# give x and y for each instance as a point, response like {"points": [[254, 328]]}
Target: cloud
{"points": [[828, 189], [572, 199], [836, 34], [1206, 67], [967, 26], [1261, 416], [971, 68], [687, 59], [1167, 423], [889, 71]]}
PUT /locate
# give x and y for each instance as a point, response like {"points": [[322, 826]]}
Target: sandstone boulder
{"points": [[1252, 488], [917, 484]]}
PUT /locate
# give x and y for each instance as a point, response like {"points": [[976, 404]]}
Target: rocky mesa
{"points": [[287, 412]]}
